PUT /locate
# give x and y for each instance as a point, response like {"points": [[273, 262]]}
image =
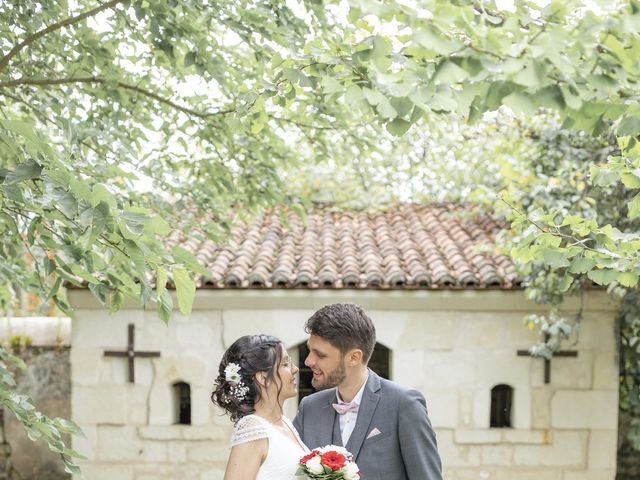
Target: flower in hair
{"points": [[232, 373]]}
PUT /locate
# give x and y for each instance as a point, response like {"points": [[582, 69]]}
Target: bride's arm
{"points": [[245, 460]]}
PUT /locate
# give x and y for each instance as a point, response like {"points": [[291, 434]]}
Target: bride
{"points": [[255, 377]]}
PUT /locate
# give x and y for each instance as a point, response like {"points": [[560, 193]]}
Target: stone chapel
{"points": [[448, 311]]}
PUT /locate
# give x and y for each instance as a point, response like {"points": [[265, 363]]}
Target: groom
{"points": [[385, 425]]}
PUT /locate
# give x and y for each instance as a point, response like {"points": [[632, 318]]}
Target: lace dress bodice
{"points": [[283, 454]]}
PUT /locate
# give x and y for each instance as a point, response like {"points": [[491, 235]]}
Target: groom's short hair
{"points": [[345, 326]]}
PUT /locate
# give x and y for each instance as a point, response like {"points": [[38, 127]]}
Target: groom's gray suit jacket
{"points": [[405, 447]]}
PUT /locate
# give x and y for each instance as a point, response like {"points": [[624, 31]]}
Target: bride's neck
{"points": [[271, 410]]}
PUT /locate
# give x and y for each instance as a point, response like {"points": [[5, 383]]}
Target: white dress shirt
{"points": [[348, 420]]}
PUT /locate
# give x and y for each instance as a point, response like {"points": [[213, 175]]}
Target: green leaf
{"points": [[188, 259], [24, 171], [520, 103], [603, 276], [603, 176], [530, 76], [628, 279], [385, 109], [398, 127], [448, 73], [555, 258], [185, 289], [634, 207], [581, 265], [158, 225], [628, 126], [630, 180]]}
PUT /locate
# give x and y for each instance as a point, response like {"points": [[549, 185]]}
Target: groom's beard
{"points": [[332, 379]]}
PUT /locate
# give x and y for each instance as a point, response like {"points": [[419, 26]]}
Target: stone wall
{"points": [[47, 381], [453, 346]]}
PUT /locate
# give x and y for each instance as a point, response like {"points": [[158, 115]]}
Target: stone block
{"points": [[598, 332], [454, 455], [207, 432], [87, 445], [208, 452], [200, 401], [85, 365], [212, 474], [420, 330], [541, 408], [481, 408], [442, 406], [177, 452], [496, 455], [477, 330], [446, 369], [533, 437], [589, 475], [192, 369], [567, 449], [606, 371], [117, 443], [568, 372], [477, 437], [104, 471], [288, 323], [603, 449], [137, 406], [196, 337], [527, 474], [585, 409], [152, 451], [404, 368], [162, 432], [457, 473], [99, 404], [165, 471], [99, 329]]}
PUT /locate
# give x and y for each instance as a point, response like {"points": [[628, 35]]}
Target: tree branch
{"points": [[52, 28], [102, 81]]}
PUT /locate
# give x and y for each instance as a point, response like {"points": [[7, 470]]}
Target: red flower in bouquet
{"points": [[308, 457], [333, 460]]}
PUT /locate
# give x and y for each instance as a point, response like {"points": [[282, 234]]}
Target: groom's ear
{"points": [[354, 357]]}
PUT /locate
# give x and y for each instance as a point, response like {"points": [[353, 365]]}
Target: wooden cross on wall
{"points": [[130, 353], [547, 362]]}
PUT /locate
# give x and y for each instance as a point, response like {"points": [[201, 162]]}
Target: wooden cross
{"points": [[130, 353], [547, 362]]}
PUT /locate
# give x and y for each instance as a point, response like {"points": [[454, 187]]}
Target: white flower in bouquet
{"points": [[351, 471], [315, 466]]}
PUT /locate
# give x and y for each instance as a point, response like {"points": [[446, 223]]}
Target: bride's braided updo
{"points": [[236, 389]]}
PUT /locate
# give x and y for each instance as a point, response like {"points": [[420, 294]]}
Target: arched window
{"points": [[181, 403], [379, 363], [501, 400]]}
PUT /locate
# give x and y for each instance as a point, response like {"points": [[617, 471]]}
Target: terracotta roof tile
{"points": [[405, 247]]}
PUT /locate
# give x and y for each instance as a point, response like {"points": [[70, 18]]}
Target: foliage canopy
{"points": [[121, 120]]}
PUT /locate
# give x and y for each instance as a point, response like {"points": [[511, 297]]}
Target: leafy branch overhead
{"points": [[124, 123]]}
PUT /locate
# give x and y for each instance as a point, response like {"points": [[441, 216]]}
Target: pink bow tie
{"points": [[343, 408]]}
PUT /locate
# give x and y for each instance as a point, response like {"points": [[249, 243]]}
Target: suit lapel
{"points": [[337, 436], [370, 398], [327, 422]]}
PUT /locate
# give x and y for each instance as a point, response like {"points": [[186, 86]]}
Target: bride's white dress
{"points": [[284, 453]]}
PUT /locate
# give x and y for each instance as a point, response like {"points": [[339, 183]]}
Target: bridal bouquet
{"points": [[329, 463]]}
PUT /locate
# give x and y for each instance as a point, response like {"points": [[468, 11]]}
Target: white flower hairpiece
{"points": [[232, 373], [238, 389]]}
